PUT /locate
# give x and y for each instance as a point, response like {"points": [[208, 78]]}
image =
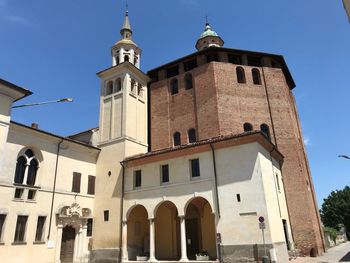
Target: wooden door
{"points": [[67, 245], [192, 237]]}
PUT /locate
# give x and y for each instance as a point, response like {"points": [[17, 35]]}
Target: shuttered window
{"points": [[20, 228], [91, 185], [76, 182], [39, 235], [89, 227]]}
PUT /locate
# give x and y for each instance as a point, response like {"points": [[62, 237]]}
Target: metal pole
{"points": [[43, 103], [263, 234]]}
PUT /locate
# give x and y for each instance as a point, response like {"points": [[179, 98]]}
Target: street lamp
{"points": [[45, 102], [344, 156]]}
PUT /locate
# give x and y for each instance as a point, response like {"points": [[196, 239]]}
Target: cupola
{"points": [[209, 38]]}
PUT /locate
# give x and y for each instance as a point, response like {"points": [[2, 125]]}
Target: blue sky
{"points": [[55, 48]]}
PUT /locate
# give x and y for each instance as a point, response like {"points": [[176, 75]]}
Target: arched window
{"points": [[126, 58], [256, 76], [265, 129], [139, 90], [117, 60], [247, 127], [118, 85], [174, 87], [177, 139], [135, 59], [188, 81], [133, 83], [24, 174], [20, 170], [240, 75], [109, 88], [192, 135]]}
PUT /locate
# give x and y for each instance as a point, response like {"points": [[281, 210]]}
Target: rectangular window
{"points": [[137, 178], [2, 223], [39, 235], [89, 227], [173, 71], [19, 193], [76, 182], [278, 182], [91, 185], [20, 228], [191, 64], [165, 173], [238, 197], [235, 59], [195, 172], [106, 215], [31, 194]]}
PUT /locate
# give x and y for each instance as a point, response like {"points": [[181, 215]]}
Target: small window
{"points": [[256, 76], [20, 169], [265, 130], [137, 178], [76, 182], [191, 64], [240, 75], [165, 173], [2, 223], [135, 60], [91, 185], [192, 135], [106, 215], [172, 72], [195, 172], [31, 194], [126, 58], [238, 196], [109, 88], [20, 228], [89, 227], [39, 235], [174, 87], [177, 139], [278, 182], [133, 84], [247, 127], [19, 193], [32, 171], [188, 81], [118, 85], [139, 90], [117, 60]]}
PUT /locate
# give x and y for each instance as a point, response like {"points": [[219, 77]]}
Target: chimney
{"points": [[35, 125]]}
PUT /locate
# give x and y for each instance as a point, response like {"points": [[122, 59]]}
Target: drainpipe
{"points": [[54, 187], [121, 213], [218, 245]]}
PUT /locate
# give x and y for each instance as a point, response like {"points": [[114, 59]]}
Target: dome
{"points": [[208, 32]]}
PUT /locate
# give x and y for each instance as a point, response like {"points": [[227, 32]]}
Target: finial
{"points": [[127, 8], [206, 20]]}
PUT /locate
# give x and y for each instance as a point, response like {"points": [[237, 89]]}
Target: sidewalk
{"points": [[339, 253]]}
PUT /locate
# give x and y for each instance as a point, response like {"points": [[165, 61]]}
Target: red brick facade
{"points": [[219, 105]]}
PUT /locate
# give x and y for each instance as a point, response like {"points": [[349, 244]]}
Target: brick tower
{"points": [[219, 91]]}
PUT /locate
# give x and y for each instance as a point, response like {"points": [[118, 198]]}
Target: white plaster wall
{"points": [[73, 158]]}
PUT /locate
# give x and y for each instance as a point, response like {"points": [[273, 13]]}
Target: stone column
{"points": [[125, 255], [84, 243], [183, 239], [58, 244], [76, 246], [151, 241]]}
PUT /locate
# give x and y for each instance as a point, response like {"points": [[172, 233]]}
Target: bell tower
{"points": [[122, 132]]}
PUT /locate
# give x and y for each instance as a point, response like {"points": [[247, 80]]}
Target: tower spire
{"points": [[126, 31]]}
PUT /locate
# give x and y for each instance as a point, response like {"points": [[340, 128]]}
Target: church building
{"points": [[199, 159]]}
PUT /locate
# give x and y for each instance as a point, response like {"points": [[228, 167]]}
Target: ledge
{"points": [[18, 243], [39, 242]]}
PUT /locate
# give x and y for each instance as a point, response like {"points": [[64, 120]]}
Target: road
{"points": [[339, 253]]}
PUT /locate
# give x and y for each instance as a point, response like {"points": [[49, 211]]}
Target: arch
{"points": [[133, 83], [200, 227], [139, 90], [177, 139], [192, 135], [247, 127], [265, 130], [256, 76], [118, 85], [167, 231], [126, 58], [240, 75], [20, 169], [109, 88], [32, 171], [137, 232], [135, 59], [188, 81], [174, 86]]}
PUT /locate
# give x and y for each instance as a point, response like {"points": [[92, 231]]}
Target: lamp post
{"points": [[43, 103]]}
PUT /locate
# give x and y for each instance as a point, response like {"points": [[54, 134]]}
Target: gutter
{"points": [[54, 187]]}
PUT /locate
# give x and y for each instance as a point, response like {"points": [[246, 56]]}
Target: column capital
{"points": [[151, 219], [124, 222], [181, 216]]}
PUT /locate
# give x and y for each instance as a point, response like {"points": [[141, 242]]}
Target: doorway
{"points": [[67, 245]]}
